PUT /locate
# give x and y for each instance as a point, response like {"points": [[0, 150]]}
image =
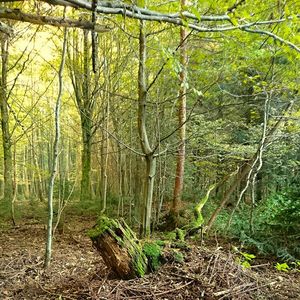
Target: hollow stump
{"points": [[119, 248]]}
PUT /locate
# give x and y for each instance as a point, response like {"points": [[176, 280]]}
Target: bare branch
{"points": [[18, 15], [184, 18], [274, 36]]}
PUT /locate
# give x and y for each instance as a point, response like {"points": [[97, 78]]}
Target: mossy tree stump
{"points": [[119, 248]]}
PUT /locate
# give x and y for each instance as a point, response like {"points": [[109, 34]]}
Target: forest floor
{"points": [[78, 272]]}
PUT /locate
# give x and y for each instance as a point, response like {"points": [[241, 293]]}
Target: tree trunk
{"points": [[228, 193], [55, 157], [6, 137], [148, 196], [178, 187], [79, 68], [86, 157], [119, 248], [106, 154], [146, 205]]}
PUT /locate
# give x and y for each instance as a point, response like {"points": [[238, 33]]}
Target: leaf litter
{"points": [[78, 272]]}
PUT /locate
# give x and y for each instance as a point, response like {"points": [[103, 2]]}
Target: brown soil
{"points": [[78, 272]]}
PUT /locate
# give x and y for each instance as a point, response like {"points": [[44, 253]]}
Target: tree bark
{"points": [[55, 156], [150, 158], [18, 15], [85, 100], [119, 248], [148, 195], [178, 187], [6, 136], [86, 157]]}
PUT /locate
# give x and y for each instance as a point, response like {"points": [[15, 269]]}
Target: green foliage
{"points": [[247, 256], [275, 229], [161, 243], [177, 256], [86, 208], [283, 214], [245, 259], [170, 236], [153, 253], [180, 234], [282, 267], [292, 266]]}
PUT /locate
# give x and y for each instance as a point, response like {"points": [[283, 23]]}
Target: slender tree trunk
{"points": [[55, 156], [178, 187], [38, 167], [6, 136], [106, 154], [86, 158], [86, 126], [146, 207], [15, 186], [163, 188], [120, 183], [25, 174], [148, 194], [37, 177]]}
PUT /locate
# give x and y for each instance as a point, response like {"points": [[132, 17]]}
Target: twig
{"points": [[175, 289], [231, 290]]}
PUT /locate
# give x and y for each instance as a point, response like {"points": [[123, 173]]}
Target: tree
{"points": [[178, 187], [148, 152], [85, 89], [55, 154], [6, 134]]}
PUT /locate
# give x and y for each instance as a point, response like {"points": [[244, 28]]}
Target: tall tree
{"points": [[179, 176], [55, 154], [148, 152], [86, 88], [6, 134]]}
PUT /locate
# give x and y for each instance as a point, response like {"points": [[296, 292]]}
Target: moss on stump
{"points": [[119, 248]]}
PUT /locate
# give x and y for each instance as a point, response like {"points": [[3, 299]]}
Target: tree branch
{"points": [[184, 18], [18, 15], [6, 29], [274, 36]]}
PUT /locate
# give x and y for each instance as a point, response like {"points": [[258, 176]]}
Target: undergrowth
{"points": [[275, 227]]}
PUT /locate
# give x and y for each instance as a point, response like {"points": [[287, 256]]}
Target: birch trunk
{"points": [[55, 156]]}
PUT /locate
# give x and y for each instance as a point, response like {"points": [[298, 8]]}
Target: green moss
{"points": [[161, 243], [178, 256], [126, 239], [180, 234], [154, 255], [171, 236], [102, 225], [140, 264], [181, 245]]}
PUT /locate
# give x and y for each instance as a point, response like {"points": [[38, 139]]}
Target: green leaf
{"points": [[196, 13], [248, 256], [282, 267], [245, 264]]}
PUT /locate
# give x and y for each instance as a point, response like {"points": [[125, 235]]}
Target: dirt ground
{"points": [[78, 272]]}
